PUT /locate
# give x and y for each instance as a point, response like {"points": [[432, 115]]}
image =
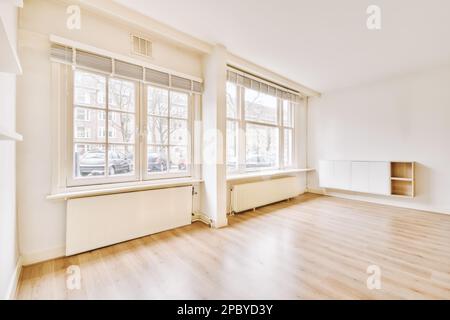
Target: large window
{"points": [[168, 141], [260, 130], [109, 144]]}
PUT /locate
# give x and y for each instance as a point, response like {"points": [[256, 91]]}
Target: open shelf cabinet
{"points": [[402, 179]]}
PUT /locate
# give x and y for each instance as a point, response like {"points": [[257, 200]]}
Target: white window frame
{"points": [[292, 128], [241, 139], [237, 121], [189, 120], [140, 145], [72, 181]]}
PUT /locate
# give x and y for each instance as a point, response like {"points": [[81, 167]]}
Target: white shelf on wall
{"points": [[8, 135], [390, 178], [9, 61]]}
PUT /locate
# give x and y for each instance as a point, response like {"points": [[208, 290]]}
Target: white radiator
{"points": [[100, 221], [255, 194]]}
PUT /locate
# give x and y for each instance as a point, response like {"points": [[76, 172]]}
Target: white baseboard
{"points": [[198, 216], [378, 199], [36, 257], [12, 287]]}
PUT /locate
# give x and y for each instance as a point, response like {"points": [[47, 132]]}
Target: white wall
{"points": [[8, 223], [42, 222], [402, 118]]}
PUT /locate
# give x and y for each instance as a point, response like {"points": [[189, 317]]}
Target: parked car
{"points": [[92, 163], [156, 163]]}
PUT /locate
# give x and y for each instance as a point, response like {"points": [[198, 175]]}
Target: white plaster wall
{"points": [[401, 118]]}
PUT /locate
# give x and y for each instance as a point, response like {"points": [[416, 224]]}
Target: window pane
{"points": [[232, 110], [156, 159], [287, 114], [288, 147], [90, 89], [157, 130], [122, 127], [178, 159], [89, 160], [232, 134], [260, 107], [261, 146], [157, 101], [178, 105], [120, 160], [86, 125], [178, 132], [122, 95]]}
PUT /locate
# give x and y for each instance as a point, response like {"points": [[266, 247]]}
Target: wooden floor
{"points": [[313, 247]]}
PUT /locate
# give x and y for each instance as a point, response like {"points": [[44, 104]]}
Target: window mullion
{"points": [[168, 129], [107, 127], [242, 131], [280, 134]]}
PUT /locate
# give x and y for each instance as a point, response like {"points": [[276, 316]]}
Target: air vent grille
{"points": [[141, 46]]}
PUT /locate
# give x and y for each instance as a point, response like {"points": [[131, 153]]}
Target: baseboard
{"points": [[198, 216], [384, 200], [315, 191], [36, 257], [12, 287]]}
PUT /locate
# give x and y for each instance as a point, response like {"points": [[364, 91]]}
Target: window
{"points": [[288, 133], [168, 137], [266, 124], [233, 117], [108, 104], [102, 132], [83, 114], [102, 156]]}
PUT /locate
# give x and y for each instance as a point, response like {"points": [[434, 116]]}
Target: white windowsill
{"points": [[262, 174], [72, 193]]}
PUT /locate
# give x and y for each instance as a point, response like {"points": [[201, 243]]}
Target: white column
{"points": [[213, 199]]}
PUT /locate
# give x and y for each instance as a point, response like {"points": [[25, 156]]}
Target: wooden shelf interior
{"points": [[402, 179], [402, 170]]}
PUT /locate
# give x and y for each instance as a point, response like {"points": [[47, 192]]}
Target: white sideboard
{"points": [[376, 177]]}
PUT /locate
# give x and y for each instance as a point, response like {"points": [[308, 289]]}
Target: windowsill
{"points": [[262, 174], [77, 192]]}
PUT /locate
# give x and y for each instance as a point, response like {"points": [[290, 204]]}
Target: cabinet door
{"points": [[342, 175], [360, 176], [326, 174], [380, 177]]}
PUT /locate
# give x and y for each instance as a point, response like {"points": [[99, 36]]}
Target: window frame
{"points": [[144, 124], [71, 180], [140, 144], [241, 168], [238, 123]]}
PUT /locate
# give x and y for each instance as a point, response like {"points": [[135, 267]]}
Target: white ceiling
{"points": [[323, 44]]}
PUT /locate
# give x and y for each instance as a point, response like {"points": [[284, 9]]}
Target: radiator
{"points": [[255, 194], [100, 221]]}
